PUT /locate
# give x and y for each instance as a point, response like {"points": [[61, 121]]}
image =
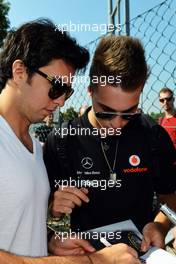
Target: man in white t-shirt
{"points": [[33, 61]]}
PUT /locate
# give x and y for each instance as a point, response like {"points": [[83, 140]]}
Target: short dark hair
{"points": [[120, 56], [37, 43], [166, 90]]}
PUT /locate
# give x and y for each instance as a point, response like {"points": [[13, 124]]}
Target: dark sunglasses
{"points": [[58, 88], [167, 99], [111, 115]]}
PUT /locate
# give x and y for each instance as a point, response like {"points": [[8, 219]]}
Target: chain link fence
{"points": [[156, 28]]}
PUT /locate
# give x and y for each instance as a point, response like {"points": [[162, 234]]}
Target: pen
{"points": [[169, 213]]}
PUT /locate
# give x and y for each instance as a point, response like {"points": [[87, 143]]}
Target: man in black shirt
{"points": [[117, 158]]}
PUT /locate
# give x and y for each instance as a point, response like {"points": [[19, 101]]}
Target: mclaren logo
{"points": [[87, 163]]}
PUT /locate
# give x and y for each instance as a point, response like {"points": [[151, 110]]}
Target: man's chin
{"points": [[166, 108]]}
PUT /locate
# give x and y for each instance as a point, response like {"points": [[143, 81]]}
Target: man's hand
{"points": [[66, 198], [116, 254], [69, 246], [120, 253], [154, 235]]}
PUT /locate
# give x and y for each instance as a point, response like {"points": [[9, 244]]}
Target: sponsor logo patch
{"points": [[134, 160]]}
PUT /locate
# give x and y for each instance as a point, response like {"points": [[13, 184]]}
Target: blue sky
{"points": [[76, 11]]}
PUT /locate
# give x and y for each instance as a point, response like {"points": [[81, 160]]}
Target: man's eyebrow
{"points": [[113, 110]]}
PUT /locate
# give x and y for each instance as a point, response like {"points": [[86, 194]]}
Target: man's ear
{"points": [[19, 71]]}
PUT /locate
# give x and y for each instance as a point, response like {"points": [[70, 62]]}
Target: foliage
{"points": [[4, 21], [156, 116], [70, 114]]}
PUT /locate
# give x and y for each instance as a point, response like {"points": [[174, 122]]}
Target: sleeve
{"points": [[52, 164], [165, 165]]}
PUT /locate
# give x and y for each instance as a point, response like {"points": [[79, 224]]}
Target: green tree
{"points": [[70, 114], [4, 21], [156, 116]]}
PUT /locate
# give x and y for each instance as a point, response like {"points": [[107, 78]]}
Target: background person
{"points": [[166, 98]]}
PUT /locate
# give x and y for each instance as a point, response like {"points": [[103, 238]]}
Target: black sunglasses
{"points": [[111, 115], [58, 88], [167, 99]]}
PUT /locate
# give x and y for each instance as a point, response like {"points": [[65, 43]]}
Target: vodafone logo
{"points": [[134, 160]]}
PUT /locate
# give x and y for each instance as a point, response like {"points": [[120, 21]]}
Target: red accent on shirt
{"points": [[169, 125]]}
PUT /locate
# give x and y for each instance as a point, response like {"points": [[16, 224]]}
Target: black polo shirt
{"points": [[145, 163]]}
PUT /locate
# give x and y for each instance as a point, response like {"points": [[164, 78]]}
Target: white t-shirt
{"points": [[24, 191]]}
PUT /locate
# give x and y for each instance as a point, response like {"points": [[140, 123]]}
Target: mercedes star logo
{"points": [[87, 163]]}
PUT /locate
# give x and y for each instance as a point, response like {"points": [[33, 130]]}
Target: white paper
{"points": [[153, 256], [158, 256]]}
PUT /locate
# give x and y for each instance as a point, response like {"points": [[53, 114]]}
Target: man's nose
{"points": [[60, 101], [118, 122], [165, 102]]}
